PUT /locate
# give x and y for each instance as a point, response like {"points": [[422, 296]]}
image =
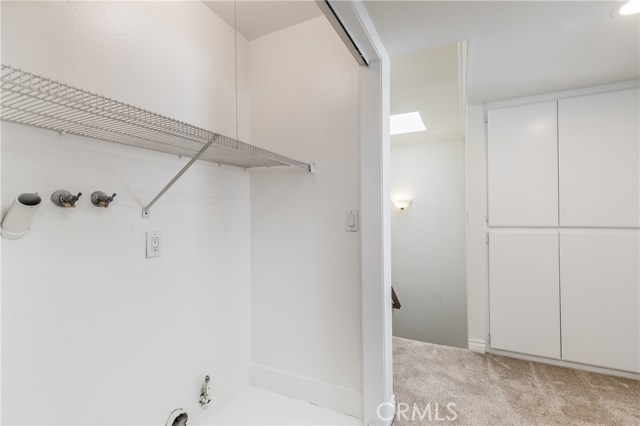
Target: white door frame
{"points": [[377, 374]]}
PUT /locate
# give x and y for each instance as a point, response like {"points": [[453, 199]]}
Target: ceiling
{"points": [[518, 48], [258, 18], [428, 82]]}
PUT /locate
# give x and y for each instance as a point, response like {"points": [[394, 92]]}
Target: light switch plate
{"points": [[351, 221], [154, 244]]}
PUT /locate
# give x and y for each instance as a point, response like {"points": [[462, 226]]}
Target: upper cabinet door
{"points": [[523, 165], [598, 150]]}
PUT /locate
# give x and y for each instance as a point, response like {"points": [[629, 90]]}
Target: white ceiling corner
{"points": [[258, 18]]}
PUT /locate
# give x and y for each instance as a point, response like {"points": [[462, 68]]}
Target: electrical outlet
{"points": [[154, 244]]}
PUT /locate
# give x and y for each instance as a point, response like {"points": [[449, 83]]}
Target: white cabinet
{"points": [[523, 165], [600, 282], [599, 143], [571, 167], [524, 292]]}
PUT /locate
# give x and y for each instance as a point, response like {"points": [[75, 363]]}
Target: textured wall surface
{"points": [[92, 331]]}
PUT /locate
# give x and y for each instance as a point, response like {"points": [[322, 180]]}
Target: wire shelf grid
{"points": [[33, 100]]}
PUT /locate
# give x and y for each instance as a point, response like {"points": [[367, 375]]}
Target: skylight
{"points": [[406, 123]]}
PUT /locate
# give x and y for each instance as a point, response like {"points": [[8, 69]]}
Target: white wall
{"points": [[476, 193], [428, 82], [306, 308], [428, 241], [92, 332], [375, 244]]}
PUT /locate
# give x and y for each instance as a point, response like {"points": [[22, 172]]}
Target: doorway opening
{"points": [[428, 218]]}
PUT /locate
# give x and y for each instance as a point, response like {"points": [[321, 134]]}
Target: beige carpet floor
{"points": [[496, 390]]}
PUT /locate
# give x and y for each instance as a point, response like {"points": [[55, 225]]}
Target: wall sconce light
{"points": [[18, 218], [401, 204]]}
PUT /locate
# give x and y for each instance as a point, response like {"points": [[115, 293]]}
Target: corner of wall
{"points": [[476, 201]]}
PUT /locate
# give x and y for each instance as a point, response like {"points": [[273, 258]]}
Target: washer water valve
{"points": [[101, 199], [205, 393], [65, 199]]}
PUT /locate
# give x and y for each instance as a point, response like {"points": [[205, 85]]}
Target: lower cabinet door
{"points": [[524, 292], [600, 288]]}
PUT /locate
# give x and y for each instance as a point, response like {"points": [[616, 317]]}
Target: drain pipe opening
{"points": [[178, 417]]}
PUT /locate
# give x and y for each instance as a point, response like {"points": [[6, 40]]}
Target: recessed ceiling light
{"points": [[406, 123], [630, 7]]}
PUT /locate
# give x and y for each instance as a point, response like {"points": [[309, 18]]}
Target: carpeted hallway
{"points": [[496, 390]]}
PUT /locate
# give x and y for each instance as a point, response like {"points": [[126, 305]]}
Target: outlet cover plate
{"points": [[154, 244]]}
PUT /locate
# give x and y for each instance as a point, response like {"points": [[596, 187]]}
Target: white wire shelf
{"points": [[38, 101]]}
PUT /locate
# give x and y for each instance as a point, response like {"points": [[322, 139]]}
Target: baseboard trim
{"points": [[198, 415], [567, 364], [326, 395], [477, 345]]}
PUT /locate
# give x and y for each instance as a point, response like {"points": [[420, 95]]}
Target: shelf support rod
{"points": [[145, 210]]}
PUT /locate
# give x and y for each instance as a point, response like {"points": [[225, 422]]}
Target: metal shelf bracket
{"points": [[145, 210]]}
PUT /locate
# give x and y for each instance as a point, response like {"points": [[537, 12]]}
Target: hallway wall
{"points": [[304, 88], [428, 241]]}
